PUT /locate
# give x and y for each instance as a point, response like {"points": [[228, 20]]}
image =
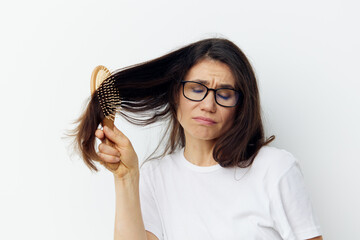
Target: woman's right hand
{"points": [[119, 150]]}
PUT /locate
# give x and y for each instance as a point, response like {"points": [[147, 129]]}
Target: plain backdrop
{"points": [[305, 54]]}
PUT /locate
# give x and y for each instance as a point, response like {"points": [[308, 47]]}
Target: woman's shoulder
{"points": [[274, 160], [274, 153], [158, 163]]}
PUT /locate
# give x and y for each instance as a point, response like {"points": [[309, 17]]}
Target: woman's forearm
{"points": [[128, 219]]}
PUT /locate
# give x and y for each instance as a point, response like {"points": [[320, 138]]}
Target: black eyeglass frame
{"points": [[207, 91]]}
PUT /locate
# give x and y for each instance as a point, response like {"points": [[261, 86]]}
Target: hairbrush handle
{"points": [[99, 74]]}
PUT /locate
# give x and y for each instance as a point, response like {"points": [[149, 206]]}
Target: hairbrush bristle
{"points": [[109, 98]]}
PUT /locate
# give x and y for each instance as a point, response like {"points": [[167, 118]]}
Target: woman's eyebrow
{"points": [[222, 85]]}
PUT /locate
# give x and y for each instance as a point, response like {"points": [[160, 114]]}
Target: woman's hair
{"points": [[149, 92]]}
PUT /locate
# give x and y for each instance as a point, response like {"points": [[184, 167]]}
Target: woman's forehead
{"points": [[211, 72]]}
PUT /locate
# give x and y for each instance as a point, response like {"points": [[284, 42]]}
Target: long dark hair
{"points": [[149, 92]]}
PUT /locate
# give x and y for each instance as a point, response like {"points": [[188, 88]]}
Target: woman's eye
{"points": [[224, 95], [198, 90]]}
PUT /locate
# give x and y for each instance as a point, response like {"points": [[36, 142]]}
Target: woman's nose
{"points": [[209, 103]]}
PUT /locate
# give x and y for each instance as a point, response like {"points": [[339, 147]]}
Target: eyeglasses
{"points": [[197, 92]]}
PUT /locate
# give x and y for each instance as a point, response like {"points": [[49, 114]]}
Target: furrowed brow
{"points": [[222, 85], [226, 86], [202, 81]]}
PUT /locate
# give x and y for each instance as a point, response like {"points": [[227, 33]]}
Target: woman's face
{"points": [[206, 120]]}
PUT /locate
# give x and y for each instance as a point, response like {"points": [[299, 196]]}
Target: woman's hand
{"points": [[119, 150]]}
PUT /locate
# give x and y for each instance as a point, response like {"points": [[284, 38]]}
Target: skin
{"points": [[200, 137]]}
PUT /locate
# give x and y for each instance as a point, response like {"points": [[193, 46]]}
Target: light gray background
{"points": [[305, 54]]}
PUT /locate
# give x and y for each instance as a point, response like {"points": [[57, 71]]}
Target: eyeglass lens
{"points": [[196, 91]]}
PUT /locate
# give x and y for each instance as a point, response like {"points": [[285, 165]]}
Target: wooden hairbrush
{"points": [[99, 74]]}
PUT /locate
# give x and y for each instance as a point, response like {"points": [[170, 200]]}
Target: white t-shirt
{"points": [[268, 200]]}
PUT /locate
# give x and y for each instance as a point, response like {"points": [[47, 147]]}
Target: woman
{"points": [[216, 178]]}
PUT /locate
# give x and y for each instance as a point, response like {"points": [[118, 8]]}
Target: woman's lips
{"points": [[205, 121]]}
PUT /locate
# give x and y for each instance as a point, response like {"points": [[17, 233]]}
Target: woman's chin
{"points": [[207, 137]]}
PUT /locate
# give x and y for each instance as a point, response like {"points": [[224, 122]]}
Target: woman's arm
{"points": [[316, 238], [151, 236], [128, 219]]}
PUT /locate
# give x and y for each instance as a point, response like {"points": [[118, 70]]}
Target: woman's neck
{"points": [[199, 152]]}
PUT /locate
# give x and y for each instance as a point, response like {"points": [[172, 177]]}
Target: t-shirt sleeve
{"points": [[291, 207], [148, 205]]}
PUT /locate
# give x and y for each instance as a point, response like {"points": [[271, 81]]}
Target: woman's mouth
{"points": [[205, 121]]}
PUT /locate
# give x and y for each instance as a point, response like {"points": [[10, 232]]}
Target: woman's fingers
{"points": [[116, 136], [106, 152], [109, 150], [99, 134], [115, 148], [109, 158]]}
